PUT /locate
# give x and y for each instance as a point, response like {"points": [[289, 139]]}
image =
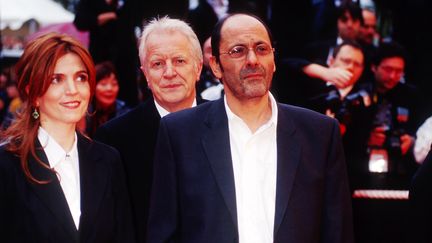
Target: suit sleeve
{"points": [[420, 203], [163, 213], [6, 204], [337, 223], [125, 230]]}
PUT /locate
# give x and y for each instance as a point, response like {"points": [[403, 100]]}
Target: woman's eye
{"points": [[55, 79], [82, 78]]}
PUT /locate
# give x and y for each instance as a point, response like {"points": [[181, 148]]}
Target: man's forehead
{"points": [[243, 24], [350, 50], [393, 61]]}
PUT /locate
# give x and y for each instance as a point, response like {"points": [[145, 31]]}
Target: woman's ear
{"points": [[36, 103]]}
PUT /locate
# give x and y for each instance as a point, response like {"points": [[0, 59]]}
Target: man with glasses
{"points": [[245, 168], [395, 118]]}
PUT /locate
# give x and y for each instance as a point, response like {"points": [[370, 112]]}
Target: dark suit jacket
{"points": [[32, 212], [193, 193], [420, 199], [134, 136]]}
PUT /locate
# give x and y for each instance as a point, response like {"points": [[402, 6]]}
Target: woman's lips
{"points": [[71, 104]]}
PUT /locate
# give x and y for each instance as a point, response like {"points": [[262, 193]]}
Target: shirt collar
{"points": [[54, 152], [273, 119], [339, 40], [163, 112], [344, 92]]}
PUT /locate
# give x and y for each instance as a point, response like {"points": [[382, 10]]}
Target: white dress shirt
{"points": [[254, 158], [423, 142], [163, 112], [66, 164]]}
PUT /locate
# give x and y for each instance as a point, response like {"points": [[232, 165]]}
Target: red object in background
{"points": [[63, 28]]}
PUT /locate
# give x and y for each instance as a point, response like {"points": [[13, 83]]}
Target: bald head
{"points": [[237, 22]]}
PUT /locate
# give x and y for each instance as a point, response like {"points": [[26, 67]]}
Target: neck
{"points": [[64, 135], [254, 112], [173, 107]]}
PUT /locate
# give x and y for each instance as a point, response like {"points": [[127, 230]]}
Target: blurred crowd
{"points": [[312, 72]]}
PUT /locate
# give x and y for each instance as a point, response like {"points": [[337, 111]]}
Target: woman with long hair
{"points": [[57, 185]]}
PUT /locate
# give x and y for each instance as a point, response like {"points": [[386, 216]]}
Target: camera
{"points": [[343, 108]]}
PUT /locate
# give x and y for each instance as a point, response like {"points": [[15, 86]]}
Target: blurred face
{"points": [[107, 90], [350, 59], [207, 52], [348, 27], [367, 31], [66, 100], [246, 58], [388, 73], [170, 69]]}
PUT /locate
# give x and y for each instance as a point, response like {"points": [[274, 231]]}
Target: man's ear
{"points": [[143, 70], [199, 69], [215, 67]]}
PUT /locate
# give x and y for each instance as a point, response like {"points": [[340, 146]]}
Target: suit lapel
{"points": [[216, 145], [51, 194], [93, 180], [288, 157]]}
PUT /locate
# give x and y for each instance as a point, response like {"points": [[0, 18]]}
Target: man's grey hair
{"points": [[170, 25]]}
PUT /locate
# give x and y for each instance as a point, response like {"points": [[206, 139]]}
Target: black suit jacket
{"points": [[134, 136], [32, 212], [420, 198], [193, 193]]}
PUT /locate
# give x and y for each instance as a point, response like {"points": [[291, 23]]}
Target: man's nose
{"points": [[169, 70]]}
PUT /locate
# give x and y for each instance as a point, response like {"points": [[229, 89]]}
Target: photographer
{"points": [[349, 105], [391, 136]]}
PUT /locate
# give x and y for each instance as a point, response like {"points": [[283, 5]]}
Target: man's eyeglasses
{"points": [[388, 69], [242, 51]]}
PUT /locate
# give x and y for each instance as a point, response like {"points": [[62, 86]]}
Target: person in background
{"points": [[4, 100], [14, 104], [105, 104], [209, 87], [56, 185], [313, 60], [171, 60], [395, 115], [367, 34], [369, 39]]}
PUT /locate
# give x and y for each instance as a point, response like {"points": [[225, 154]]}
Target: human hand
{"points": [[406, 142], [377, 137], [337, 76]]}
